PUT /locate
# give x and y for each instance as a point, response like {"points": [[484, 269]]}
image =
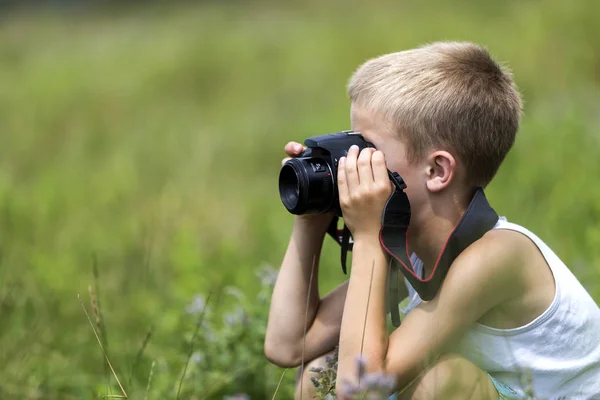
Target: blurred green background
{"points": [[144, 142]]}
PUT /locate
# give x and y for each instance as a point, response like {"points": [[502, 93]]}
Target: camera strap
{"points": [[343, 238], [479, 218]]}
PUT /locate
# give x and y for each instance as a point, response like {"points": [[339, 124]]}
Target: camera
{"points": [[308, 183]]}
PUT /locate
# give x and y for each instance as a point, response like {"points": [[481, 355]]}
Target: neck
{"points": [[435, 224]]}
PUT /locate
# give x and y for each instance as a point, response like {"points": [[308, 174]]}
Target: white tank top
{"points": [[557, 355]]}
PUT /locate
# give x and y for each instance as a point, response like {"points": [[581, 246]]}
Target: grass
{"points": [[146, 144]]}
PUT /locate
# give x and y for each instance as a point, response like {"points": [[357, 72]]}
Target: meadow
{"points": [[139, 154]]}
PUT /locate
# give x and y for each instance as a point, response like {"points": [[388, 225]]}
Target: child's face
{"points": [[374, 130]]}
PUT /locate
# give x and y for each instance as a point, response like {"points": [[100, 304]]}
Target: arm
{"points": [[482, 277], [288, 315], [364, 329]]}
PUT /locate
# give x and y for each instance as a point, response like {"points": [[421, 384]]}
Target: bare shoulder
{"points": [[496, 254], [484, 277], [490, 270]]}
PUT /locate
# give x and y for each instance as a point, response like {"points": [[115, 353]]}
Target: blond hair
{"points": [[446, 95]]}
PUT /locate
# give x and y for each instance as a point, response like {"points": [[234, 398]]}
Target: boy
{"points": [[509, 314]]}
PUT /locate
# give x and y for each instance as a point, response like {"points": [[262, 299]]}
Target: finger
{"points": [[350, 167], [285, 160], [342, 182], [365, 171], [293, 148], [380, 172]]}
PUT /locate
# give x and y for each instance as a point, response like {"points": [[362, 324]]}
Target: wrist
{"points": [[309, 234], [367, 238], [369, 248], [313, 223]]}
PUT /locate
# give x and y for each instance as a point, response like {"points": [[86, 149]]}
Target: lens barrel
{"points": [[306, 186]]}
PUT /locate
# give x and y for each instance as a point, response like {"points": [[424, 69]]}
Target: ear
{"points": [[441, 167]]}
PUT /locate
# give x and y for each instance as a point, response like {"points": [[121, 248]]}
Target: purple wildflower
{"points": [[267, 275], [197, 305], [238, 316], [375, 386], [197, 358], [235, 292]]}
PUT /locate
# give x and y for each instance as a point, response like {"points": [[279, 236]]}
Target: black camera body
{"points": [[308, 183]]}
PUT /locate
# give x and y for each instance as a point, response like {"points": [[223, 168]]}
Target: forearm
{"points": [[297, 284], [363, 328]]}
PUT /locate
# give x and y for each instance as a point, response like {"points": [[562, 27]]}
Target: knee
{"points": [[451, 377]]}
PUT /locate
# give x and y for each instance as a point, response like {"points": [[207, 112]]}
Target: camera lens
{"points": [[289, 187], [306, 186]]}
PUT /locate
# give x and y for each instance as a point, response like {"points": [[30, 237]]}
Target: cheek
{"points": [[407, 176], [400, 167], [392, 164], [411, 178], [412, 194], [407, 171]]}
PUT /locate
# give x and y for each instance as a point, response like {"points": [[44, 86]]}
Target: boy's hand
{"points": [[292, 149], [320, 221], [364, 187]]}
